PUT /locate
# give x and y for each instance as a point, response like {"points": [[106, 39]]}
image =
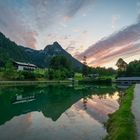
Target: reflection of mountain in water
{"points": [[52, 101]]}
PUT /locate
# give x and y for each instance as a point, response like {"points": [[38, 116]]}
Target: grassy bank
{"points": [[95, 81], [121, 124], [34, 82]]}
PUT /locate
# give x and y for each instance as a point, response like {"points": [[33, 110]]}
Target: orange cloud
{"points": [[29, 39], [66, 18], [124, 43]]}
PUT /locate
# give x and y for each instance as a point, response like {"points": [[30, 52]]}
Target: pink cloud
{"points": [[114, 46]]}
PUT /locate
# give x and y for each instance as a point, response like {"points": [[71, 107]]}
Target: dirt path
{"points": [[136, 108]]}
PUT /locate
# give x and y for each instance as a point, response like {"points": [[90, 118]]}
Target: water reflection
{"points": [[64, 111]]}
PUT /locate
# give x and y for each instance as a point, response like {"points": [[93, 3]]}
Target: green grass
{"points": [[78, 76], [121, 124], [106, 77]]}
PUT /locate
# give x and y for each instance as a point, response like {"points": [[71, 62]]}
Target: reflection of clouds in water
{"points": [[75, 111], [83, 123], [73, 121], [98, 107], [15, 128]]}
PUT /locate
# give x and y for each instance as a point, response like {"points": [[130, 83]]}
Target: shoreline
{"points": [[121, 124], [33, 82]]}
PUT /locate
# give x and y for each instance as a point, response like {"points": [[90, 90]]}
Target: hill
{"points": [[41, 58]]}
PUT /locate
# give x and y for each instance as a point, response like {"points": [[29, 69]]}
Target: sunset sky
{"points": [[103, 30]]}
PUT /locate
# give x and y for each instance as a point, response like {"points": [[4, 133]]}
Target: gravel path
{"points": [[136, 108]]}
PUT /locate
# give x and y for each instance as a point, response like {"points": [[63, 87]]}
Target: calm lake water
{"points": [[55, 112]]}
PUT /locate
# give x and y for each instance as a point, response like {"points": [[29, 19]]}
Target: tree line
{"points": [[59, 69], [129, 70]]}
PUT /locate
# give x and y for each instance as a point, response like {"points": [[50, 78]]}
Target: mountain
{"points": [[41, 58]]}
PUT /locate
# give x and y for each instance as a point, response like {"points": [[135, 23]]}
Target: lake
{"points": [[56, 112]]}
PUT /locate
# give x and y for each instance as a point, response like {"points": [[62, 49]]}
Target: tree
{"points": [[50, 74], [59, 62], [9, 66], [85, 67], [9, 70], [121, 64], [59, 68], [133, 68], [122, 67]]}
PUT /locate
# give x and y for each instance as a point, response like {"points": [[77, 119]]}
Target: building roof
{"points": [[128, 78], [25, 64]]}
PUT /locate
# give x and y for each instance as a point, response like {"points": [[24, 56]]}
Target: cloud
{"points": [[75, 5], [138, 3], [48, 12], [138, 6], [121, 44], [13, 25], [70, 48], [85, 32], [84, 14], [29, 39], [70, 45], [23, 21], [115, 19]]}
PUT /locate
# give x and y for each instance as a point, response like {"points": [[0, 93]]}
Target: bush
{"points": [[28, 75]]}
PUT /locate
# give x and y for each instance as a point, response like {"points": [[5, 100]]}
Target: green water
{"points": [[55, 112]]}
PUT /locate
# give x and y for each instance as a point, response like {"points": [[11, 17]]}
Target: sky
{"points": [[102, 30]]}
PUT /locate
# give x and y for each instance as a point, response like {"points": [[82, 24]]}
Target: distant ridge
{"points": [[41, 58]]}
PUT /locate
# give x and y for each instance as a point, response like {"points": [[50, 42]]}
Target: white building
{"points": [[24, 66]]}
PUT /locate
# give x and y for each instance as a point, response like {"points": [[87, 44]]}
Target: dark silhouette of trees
{"points": [[59, 62], [121, 64], [129, 70], [133, 68], [85, 67], [60, 68], [122, 67]]}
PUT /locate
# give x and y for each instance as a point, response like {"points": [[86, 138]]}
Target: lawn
{"points": [[121, 124]]}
